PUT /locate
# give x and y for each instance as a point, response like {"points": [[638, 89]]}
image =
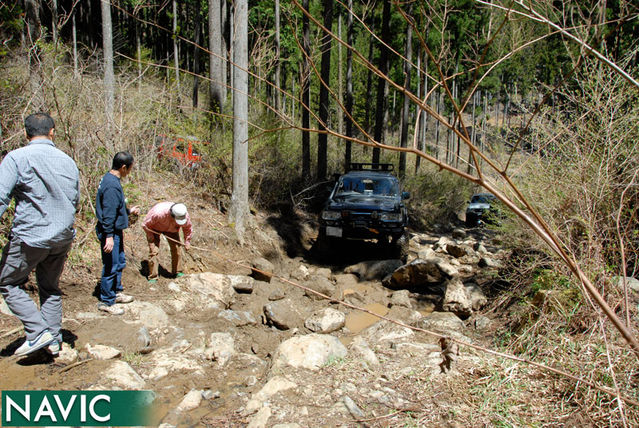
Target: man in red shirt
{"points": [[166, 218]]}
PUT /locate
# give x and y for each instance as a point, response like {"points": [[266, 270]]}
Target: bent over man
{"points": [[44, 182], [166, 218], [113, 217]]}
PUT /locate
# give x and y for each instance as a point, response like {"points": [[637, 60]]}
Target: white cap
{"points": [[178, 211]]}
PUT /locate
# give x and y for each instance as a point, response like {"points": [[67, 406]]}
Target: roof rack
{"points": [[357, 166]]}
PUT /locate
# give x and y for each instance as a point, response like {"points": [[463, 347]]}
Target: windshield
{"points": [[367, 186], [482, 199]]}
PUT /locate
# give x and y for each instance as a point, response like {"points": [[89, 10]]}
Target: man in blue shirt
{"points": [[44, 182], [113, 217]]}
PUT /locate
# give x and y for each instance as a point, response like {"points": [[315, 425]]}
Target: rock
{"points": [[360, 347], [221, 348], [300, 274], [426, 253], [374, 269], [442, 322], [283, 314], [477, 297], [480, 248], [238, 318], [441, 243], [419, 274], [326, 321], [386, 331], [325, 272], [102, 352], [632, 283], [262, 269], [174, 287], [355, 411], [401, 298], [482, 322], [455, 250], [310, 351], [4, 308], [404, 314], [261, 418], [144, 338], [320, 284], [457, 299], [124, 376], [487, 262], [458, 233], [165, 361], [242, 284], [214, 286], [290, 425], [273, 386], [190, 401], [67, 355], [276, 295], [150, 315]]}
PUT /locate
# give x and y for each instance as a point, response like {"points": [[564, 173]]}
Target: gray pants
{"points": [[18, 260]]}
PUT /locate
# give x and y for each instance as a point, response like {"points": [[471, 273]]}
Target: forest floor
{"points": [[401, 384]]}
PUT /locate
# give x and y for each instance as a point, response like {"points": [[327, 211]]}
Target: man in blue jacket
{"points": [[44, 182], [113, 217]]}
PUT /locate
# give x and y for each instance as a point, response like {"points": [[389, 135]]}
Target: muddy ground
{"points": [[406, 388]]}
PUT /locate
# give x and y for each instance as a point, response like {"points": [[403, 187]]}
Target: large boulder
{"points": [[401, 298], [457, 299], [441, 322], [214, 286], [326, 321], [283, 314], [631, 283], [321, 284], [310, 351], [221, 348], [477, 297], [374, 269], [386, 331], [420, 274], [262, 269]]}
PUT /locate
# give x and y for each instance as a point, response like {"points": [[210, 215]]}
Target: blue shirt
{"points": [[45, 184], [110, 206]]}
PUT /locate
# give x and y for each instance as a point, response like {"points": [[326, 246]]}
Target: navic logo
{"points": [[76, 408]]}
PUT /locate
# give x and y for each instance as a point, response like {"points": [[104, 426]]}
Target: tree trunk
{"points": [[306, 96], [369, 81], [340, 78], [349, 86], [239, 200], [107, 47], [75, 46], [437, 125], [278, 66], [472, 134], [418, 131], [216, 65], [408, 53], [381, 83], [322, 137], [196, 55], [33, 34], [54, 21], [176, 57]]}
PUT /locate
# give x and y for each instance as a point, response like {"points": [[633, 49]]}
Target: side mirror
{"points": [[405, 195]]}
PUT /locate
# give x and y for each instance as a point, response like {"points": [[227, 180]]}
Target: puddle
{"points": [[357, 321]]}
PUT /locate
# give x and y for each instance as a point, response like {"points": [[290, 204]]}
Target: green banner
{"points": [[76, 408]]}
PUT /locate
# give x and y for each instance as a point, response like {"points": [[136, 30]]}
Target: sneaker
{"points": [[123, 298], [179, 274], [54, 348], [44, 339], [113, 309], [153, 281]]}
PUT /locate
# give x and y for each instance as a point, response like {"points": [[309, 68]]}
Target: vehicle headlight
{"points": [[391, 217], [331, 215]]}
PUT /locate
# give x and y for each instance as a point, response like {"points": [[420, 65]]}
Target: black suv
{"points": [[482, 208], [366, 203]]}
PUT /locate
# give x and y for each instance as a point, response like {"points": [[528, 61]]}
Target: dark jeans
{"points": [[113, 264]]}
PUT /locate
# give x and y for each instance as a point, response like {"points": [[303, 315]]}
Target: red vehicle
{"points": [[181, 149]]}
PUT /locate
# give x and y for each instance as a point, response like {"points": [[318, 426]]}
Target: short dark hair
{"points": [[38, 124], [122, 159]]}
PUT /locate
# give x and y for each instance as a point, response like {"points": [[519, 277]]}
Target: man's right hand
{"points": [[108, 244]]}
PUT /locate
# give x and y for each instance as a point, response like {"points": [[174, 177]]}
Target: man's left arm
{"points": [[8, 181], [187, 229]]}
